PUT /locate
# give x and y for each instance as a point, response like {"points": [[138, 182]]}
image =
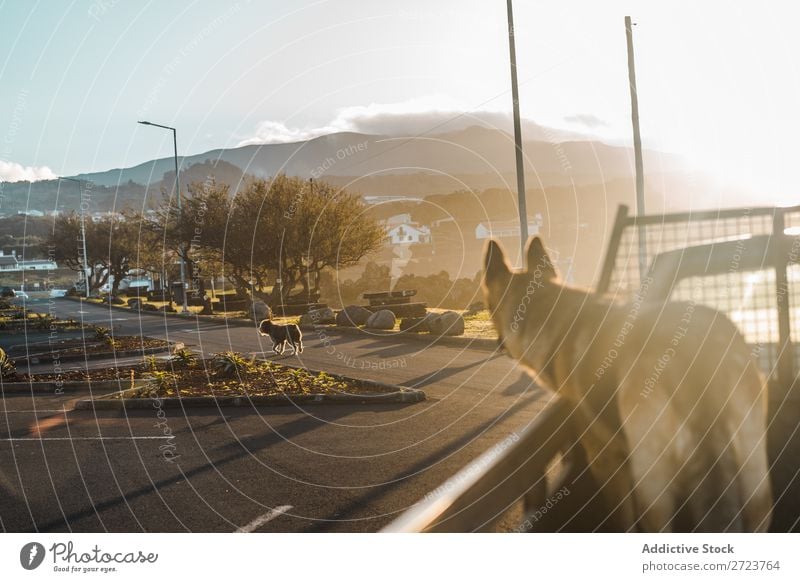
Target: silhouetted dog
{"points": [[281, 334], [668, 399]]}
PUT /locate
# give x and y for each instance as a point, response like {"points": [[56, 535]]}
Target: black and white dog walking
{"points": [[281, 335]]}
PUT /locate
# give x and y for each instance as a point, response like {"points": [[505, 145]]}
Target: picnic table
{"points": [[398, 302]]}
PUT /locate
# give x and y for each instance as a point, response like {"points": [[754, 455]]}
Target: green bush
{"points": [[8, 369], [230, 363]]}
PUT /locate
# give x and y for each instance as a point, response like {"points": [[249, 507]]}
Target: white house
{"points": [[409, 234], [506, 228], [13, 264]]}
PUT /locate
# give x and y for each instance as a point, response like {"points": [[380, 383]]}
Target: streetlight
{"points": [[83, 233], [180, 210]]}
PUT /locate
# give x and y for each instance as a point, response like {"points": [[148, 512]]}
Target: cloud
{"points": [[433, 114], [14, 172], [586, 120]]}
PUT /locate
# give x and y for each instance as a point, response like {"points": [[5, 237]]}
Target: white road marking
{"points": [[262, 519], [101, 438]]}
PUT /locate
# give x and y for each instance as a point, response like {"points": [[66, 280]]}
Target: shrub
{"points": [[102, 334], [183, 358], [8, 369], [230, 363]]}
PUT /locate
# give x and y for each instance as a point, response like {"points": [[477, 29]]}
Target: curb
{"points": [[456, 341], [405, 395], [190, 317], [48, 357], [58, 387], [397, 394]]}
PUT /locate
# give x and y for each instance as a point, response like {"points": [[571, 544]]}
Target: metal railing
{"points": [[744, 262]]}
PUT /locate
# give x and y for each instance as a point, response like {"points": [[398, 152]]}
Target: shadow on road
{"points": [[438, 375], [241, 448], [359, 504]]}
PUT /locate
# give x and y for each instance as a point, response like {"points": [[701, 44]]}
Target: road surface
{"points": [[319, 468]]}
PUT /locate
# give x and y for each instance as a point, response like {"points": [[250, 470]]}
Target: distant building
{"points": [[38, 265], [409, 234], [384, 199], [33, 213], [102, 216], [506, 228], [10, 263]]}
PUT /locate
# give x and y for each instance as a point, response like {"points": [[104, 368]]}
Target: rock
{"points": [[474, 308], [415, 324], [447, 323], [149, 307], [383, 319], [167, 308], [352, 316], [134, 303], [318, 317], [260, 310]]}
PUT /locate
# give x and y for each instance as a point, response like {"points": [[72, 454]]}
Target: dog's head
{"points": [[511, 294], [265, 326]]}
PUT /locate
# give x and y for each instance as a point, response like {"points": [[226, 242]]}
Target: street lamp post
{"points": [[180, 208], [83, 234]]}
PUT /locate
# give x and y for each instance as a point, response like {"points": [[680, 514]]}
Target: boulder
{"points": [[415, 324], [260, 310], [474, 308], [383, 319], [167, 308], [352, 316], [134, 303], [318, 317], [149, 307], [447, 323]]}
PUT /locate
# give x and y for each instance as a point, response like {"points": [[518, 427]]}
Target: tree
{"points": [[112, 246], [65, 244], [283, 228], [127, 246], [320, 226]]}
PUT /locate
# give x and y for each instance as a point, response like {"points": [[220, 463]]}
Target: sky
{"points": [[718, 82]]}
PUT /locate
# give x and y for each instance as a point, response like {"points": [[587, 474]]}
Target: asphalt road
{"points": [[319, 468]]}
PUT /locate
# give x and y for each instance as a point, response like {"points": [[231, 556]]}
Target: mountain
{"points": [[475, 151]]}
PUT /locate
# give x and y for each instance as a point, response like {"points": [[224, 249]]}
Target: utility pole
{"points": [[523, 212], [637, 149]]}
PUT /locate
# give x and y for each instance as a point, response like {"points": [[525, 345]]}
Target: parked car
{"points": [[7, 292], [58, 292]]}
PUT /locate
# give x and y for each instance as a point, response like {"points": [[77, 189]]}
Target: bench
{"points": [[398, 302]]}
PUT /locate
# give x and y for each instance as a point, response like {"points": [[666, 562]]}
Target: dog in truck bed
{"points": [[668, 401]]}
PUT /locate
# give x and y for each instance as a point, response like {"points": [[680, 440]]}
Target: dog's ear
{"points": [[537, 260], [494, 261]]}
